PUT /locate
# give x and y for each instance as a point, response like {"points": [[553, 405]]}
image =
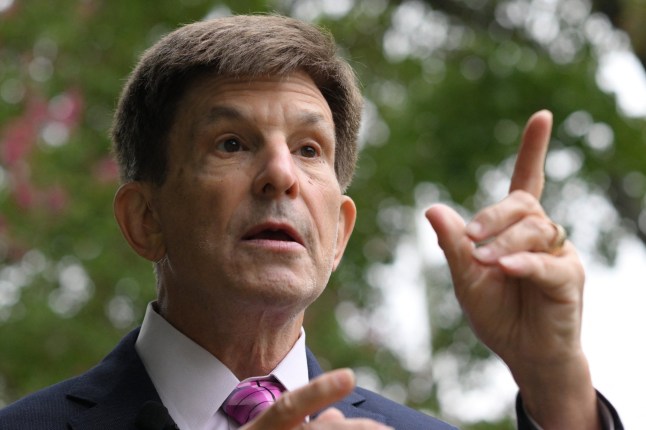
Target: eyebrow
{"points": [[311, 118], [319, 122], [226, 112], [217, 113], [305, 119]]}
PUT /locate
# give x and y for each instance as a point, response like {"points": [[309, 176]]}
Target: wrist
{"points": [[559, 394]]}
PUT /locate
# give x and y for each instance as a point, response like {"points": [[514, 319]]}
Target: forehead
{"points": [[295, 94]]}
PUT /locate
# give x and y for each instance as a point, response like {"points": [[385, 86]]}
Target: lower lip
{"points": [[275, 245]]}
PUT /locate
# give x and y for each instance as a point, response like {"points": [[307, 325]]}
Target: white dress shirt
{"points": [[192, 383]]}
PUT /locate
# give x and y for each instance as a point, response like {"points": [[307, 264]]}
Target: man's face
{"points": [[251, 209]]}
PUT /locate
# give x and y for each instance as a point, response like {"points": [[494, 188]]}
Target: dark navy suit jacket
{"points": [[111, 396]]}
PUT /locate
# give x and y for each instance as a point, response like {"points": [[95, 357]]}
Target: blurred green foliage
{"points": [[447, 89]]}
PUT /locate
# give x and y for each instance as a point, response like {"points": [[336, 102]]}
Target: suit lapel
{"points": [[114, 391], [349, 406]]}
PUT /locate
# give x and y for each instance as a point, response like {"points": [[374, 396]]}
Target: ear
{"points": [[137, 220], [347, 217]]}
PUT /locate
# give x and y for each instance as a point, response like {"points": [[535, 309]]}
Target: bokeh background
{"points": [[448, 87]]}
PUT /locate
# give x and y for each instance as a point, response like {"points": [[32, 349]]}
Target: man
{"points": [[236, 139]]}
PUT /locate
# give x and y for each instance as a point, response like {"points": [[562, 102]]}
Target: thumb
{"points": [[452, 238], [451, 234]]}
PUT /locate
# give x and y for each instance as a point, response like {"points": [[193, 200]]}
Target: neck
{"points": [[250, 341]]}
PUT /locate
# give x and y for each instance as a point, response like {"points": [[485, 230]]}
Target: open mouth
{"points": [[281, 233], [273, 235]]}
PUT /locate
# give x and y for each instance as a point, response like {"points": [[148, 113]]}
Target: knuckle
{"points": [[538, 226], [285, 406], [526, 199], [540, 229], [489, 215]]}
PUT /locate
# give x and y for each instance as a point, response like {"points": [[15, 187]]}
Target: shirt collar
{"points": [[190, 381]]}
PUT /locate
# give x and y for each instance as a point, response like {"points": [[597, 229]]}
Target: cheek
{"points": [[195, 209], [326, 216]]}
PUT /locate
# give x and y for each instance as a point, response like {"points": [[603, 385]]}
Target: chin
{"points": [[282, 292]]}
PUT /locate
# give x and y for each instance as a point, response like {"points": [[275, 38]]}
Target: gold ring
{"points": [[559, 239]]}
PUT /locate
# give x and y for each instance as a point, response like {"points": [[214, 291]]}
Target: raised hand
{"points": [[291, 408], [520, 285]]}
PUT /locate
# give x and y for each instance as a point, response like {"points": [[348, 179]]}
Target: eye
{"points": [[308, 151], [230, 145]]}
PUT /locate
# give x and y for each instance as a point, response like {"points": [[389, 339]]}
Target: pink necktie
{"points": [[250, 398]]}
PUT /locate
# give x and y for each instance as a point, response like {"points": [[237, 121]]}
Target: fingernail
{"points": [[474, 229], [513, 262], [484, 254], [344, 377]]}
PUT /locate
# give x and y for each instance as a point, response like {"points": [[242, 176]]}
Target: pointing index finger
{"points": [[292, 407], [529, 174]]}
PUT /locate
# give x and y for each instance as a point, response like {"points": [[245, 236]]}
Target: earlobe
{"points": [[347, 217], [137, 220]]}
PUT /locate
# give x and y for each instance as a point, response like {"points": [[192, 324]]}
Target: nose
{"points": [[277, 174]]}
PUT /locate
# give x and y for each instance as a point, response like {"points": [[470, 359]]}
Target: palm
{"points": [[516, 316]]}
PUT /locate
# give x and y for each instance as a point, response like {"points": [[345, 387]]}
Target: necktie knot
{"points": [[250, 398]]}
